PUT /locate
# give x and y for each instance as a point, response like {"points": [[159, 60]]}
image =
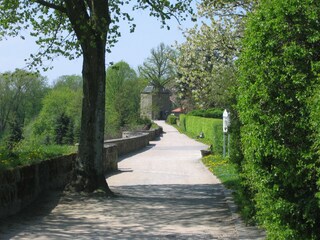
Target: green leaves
{"points": [[20, 92], [165, 10], [205, 63], [122, 98], [59, 119], [158, 69], [277, 78]]}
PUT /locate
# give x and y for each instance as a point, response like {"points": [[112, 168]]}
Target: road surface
{"points": [[163, 192]]}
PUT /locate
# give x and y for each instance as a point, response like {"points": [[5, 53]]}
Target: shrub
{"points": [[143, 121], [279, 67], [172, 119], [182, 119], [209, 113]]}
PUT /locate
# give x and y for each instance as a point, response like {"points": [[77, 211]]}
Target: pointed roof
{"points": [[148, 89], [151, 89]]}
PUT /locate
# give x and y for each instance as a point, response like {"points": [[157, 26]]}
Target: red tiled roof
{"points": [[177, 110]]}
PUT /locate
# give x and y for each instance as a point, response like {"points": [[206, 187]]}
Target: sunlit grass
{"points": [[228, 174], [223, 169], [27, 154]]}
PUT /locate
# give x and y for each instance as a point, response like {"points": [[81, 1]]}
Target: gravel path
{"points": [[163, 192]]}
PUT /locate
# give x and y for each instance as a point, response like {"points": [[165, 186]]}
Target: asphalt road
{"points": [[163, 192]]}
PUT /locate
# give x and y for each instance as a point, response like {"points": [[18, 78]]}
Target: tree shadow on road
{"points": [[139, 212]]}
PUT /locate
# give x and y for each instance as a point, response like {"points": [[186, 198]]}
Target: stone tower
{"points": [[155, 103]]}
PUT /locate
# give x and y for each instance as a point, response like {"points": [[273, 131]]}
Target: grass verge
{"points": [[228, 174], [230, 178], [224, 170], [23, 155]]}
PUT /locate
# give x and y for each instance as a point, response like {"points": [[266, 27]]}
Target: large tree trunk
{"points": [[90, 21], [89, 173]]}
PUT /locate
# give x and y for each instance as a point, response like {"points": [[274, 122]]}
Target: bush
{"points": [[143, 121], [209, 113], [172, 119], [182, 119], [279, 70]]}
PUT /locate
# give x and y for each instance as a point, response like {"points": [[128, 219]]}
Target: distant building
{"points": [[177, 111], [155, 103]]}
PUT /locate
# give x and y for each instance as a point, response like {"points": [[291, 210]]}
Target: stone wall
{"points": [[146, 106], [110, 162], [155, 105], [152, 134], [21, 186], [130, 144], [132, 141]]}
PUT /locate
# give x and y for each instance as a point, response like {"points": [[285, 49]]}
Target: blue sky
{"points": [[133, 48]]}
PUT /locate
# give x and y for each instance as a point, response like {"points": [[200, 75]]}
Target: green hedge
{"points": [[172, 119], [279, 71], [210, 127], [208, 113], [182, 120]]}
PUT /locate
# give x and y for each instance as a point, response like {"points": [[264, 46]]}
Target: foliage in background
{"points": [[26, 154], [59, 118], [209, 113], [204, 73], [20, 100], [206, 61], [123, 89], [158, 69], [51, 116], [172, 119], [279, 73]]}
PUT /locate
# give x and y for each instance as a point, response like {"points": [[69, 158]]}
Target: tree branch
{"points": [[164, 15], [52, 5]]}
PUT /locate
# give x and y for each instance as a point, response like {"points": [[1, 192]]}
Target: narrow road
{"points": [[164, 192]]}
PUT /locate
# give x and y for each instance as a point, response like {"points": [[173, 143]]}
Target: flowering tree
{"points": [[206, 63]]}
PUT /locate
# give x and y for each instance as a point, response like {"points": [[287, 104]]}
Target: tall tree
{"points": [[61, 112], [206, 67], [158, 68], [122, 97], [82, 27], [206, 60], [21, 93]]}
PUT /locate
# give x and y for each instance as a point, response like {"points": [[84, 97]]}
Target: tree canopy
{"points": [[123, 89], [59, 119], [21, 93], [158, 69], [61, 27], [206, 61]]}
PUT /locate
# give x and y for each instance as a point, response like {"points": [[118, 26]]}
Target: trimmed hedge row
{"points": [[208, 113], [210, 127], [279, 70]]}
